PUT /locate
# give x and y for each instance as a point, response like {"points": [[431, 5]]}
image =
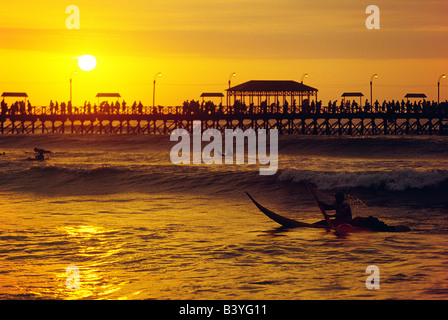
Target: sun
{"points": [[87, 62]]}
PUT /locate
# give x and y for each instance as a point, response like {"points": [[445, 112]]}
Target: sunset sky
{"points": [[197, 44]]}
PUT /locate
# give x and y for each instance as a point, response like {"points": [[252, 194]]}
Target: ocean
{"points": [[136, 226]]}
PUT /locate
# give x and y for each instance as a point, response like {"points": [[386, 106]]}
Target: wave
{"points": [[212, 179], [399, 180], [340, 146], [366, 147], [118, 179], [59, 142]]}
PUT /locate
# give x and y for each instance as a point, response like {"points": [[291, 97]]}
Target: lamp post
{"points": [[443, 76], [230, 78], [154, 89], [375, 76], [305, 75], [232, 75], [74, 72]]}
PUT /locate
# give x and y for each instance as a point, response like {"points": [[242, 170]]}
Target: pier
{"points": [[288, 106], [360, 124]]}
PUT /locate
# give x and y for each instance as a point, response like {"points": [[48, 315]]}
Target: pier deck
{"points": [[361, 124]]}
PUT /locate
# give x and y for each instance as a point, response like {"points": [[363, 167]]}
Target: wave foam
{"points": [[389, 180]]}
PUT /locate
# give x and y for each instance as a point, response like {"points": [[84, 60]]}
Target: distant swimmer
{"points": [[40, 154], [222, 154]]}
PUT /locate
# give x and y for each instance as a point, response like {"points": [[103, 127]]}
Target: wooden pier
{"points": [[358, 124], [288, 106]]}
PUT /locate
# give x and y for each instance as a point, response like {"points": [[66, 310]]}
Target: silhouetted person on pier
{"points": [[107, 107], [264, 107], [14, 108], [140, 107], [377, 105], [305, 106], [384, 107], [22, 107], [4, 107], [51, 105], [367, 106], [285, 107], [354, 107]]}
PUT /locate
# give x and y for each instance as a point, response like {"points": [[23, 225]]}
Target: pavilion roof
{"points": [[108, 95], [352, 94], [212, 94], [272, 86], [415, 95], [14, 94]]}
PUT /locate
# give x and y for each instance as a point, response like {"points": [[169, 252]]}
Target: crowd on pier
{"points": [[193, 107], [317, 107]]}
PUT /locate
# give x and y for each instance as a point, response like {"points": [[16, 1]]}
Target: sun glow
{"points": [[87, 62]]}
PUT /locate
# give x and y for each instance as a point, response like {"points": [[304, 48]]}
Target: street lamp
{"points": [[154, 89], [443, 76], [375, 76], [305, 75], [232, 75], [230, 78]]}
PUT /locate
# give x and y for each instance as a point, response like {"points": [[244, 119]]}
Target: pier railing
{"points": [[393, 109]]}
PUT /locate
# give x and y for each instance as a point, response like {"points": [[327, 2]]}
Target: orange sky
{"points": [[197, 44]]}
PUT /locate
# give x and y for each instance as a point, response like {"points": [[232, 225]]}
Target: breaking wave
{"points": [[400, 180]]}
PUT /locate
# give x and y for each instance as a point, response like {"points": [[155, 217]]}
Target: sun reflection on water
{"points": [[94, 248]]}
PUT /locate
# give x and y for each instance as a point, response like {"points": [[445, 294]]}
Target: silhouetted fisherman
{"points": [[343, 211]]}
